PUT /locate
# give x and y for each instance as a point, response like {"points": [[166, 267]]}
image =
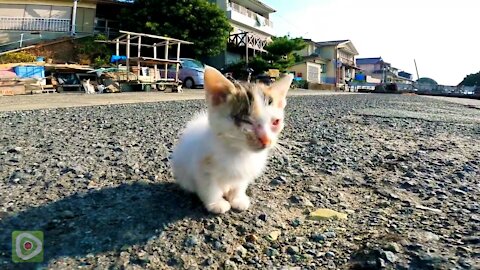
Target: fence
{"points": [[34, 24]]}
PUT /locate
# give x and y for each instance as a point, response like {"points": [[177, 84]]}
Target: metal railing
{"points": [[34, 24], [247, 12]]}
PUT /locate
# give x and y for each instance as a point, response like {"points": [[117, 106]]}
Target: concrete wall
{"points": [[328, 52], [307, 51], [300, 68]]}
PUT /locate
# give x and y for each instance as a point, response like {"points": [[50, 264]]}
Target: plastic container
{"points": [[40, 59], [29, 71]]}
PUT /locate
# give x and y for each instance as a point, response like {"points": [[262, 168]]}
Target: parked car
{"points": [[190, 73]]}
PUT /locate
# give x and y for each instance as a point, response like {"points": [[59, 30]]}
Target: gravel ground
{"points": [[97, 182]]}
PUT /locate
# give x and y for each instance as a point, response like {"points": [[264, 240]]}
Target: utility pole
{"points": [[74, 17], [418, 77]]}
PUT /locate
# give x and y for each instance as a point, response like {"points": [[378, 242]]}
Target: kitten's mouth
{"points": [[259, 144]]}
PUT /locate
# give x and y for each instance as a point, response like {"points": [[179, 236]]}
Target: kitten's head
{"points": [[246, 115]]}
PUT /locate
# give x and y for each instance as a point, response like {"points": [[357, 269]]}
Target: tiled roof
{"points": [[367, 61], [333, 42]]}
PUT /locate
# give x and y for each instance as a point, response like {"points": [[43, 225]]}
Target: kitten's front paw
{"points": [[240, 203], [218, 207]]}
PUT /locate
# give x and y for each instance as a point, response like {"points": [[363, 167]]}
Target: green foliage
{"points": [[17, 57], [259, 65], [301, 84], [98, 53], [281, 52], [471, 80], [427, 81], [197, 21], [281, 46]]}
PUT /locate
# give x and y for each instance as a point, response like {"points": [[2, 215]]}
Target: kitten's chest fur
{"points": [[228, 164]]}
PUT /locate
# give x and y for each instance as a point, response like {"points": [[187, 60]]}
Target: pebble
{"points": [[191, 241], [293, 250], [230, 265], [273, 236], [271, 252], [389, 256], [475, 240], [322, 214], [419, 206], [319, 237], [15, 150], [330, 234], [330, 254], [392, 246], [279, 180], [252, 238], [241, 251], [296, 222]]}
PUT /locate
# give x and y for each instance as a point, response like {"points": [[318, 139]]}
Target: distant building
{"points": [[377, 68], [336, 58], [252, 30], [310, 69]]}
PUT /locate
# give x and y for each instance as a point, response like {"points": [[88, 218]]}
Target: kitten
{"points": [[224, 149]]}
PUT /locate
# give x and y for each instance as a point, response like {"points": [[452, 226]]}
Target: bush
{"points": [[17, 57], [89, 51]]}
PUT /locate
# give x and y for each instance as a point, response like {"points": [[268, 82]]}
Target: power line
{"points": [[296, 28]]}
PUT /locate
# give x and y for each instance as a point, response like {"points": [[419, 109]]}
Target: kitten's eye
{"points": [[270, 101], [276, 122], [239, 119]]}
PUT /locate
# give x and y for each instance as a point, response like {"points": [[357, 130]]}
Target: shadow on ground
{"points": [[99, 221]]}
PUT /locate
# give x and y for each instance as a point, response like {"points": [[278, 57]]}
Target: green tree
{"points": [[197, 21], [471, 80], [281, 51]]}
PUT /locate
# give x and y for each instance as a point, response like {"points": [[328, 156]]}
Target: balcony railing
{"points": [[34, 24], [247, 12]]}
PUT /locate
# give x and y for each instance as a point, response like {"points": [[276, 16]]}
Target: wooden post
{"points": [[246, 48], [138, 55], [166, 58], [177, 64], [155, 66], [128, 57]]}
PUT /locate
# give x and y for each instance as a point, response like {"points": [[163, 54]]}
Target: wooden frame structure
{"points": [[250, 41], [130, 39]]}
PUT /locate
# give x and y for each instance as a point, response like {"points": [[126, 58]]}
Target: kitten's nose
{"points": [[264, 140], [262, 136]]}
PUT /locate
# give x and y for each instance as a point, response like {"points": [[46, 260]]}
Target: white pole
{"points": [[74, 17]]}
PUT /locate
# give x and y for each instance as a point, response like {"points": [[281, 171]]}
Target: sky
{"points": [[441, 35]]}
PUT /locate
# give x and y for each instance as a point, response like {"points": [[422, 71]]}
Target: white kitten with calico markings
{"points": [[223, 150]]}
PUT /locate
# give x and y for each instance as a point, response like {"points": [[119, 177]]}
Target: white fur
{"points": [[216, 157], [230, 170]]}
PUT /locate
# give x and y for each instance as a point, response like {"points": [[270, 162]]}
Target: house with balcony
{"points": [[336, 58], [377, 68], [252, 30], [24, 22]]}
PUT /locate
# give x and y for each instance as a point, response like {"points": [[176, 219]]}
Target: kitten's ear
{"points": [[279, 89], [217, 86]]}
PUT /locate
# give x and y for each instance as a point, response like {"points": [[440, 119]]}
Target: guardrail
{"points": [[34, 24]]}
